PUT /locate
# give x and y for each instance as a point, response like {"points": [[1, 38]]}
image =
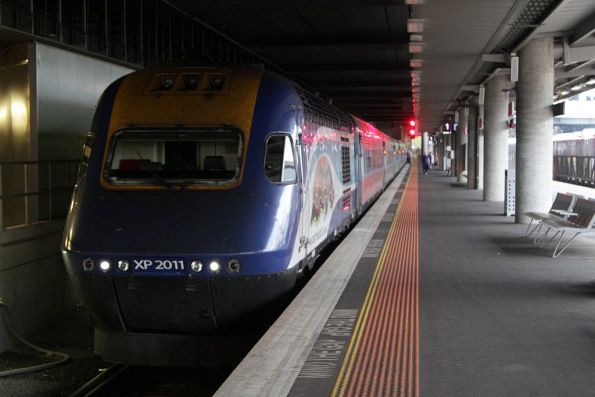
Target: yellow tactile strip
{"points": [[382, 355]]}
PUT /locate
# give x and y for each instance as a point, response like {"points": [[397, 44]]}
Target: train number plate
{"points": [[158, 265]]}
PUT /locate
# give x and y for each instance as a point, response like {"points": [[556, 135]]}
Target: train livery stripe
{"points": [[135, 106], [382, 355]]}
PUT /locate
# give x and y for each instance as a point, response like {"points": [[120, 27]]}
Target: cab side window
{"points": [[279, 159], [86, 154]]}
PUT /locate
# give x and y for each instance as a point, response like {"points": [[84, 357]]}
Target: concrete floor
{"points": [[498, 316]]}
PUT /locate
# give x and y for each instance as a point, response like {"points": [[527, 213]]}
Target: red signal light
{"points": [[412, 128]]}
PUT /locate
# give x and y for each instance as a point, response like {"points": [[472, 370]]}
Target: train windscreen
{"points": [[145, 157]]}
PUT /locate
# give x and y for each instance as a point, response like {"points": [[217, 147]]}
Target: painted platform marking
{"points": [[326, 352], [382, 354], [373, 249]]}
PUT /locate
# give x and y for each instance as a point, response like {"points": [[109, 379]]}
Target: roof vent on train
{"points": [[188, 83]]}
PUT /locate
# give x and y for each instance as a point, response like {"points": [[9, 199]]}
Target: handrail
{"points": [[33, 191]]}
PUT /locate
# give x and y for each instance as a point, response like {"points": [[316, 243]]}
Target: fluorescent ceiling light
{"points": [[416, 48], [415, 25]]}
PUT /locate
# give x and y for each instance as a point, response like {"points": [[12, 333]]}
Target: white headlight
{"points": [[214, 266], [196, 266], [123, 265], [105, 265]]}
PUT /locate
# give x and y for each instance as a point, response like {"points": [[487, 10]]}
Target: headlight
{"points": [[105, 265], [233, 266], [214, 266], [123, 265], [88, 264], [196, 266]]}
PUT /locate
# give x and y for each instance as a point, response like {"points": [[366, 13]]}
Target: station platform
{"points": [[434, 293]]}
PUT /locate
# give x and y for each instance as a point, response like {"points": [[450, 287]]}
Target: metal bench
{"points": [[561, 209], [580, 221]]}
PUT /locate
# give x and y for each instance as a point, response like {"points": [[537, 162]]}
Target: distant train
{"points": [[574, 157], [203, 193]]}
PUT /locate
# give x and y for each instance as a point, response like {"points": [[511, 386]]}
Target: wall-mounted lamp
{"points": [[514, 68]]}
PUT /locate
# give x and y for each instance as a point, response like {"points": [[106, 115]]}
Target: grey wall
{"points": [[68, 86], [60, 91]]}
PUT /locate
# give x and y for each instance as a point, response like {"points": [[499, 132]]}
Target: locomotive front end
{"points": [[175, 229]]}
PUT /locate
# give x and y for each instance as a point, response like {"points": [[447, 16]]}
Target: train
{"points": [[574, 157], [203, 194]]}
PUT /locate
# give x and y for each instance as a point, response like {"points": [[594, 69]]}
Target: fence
{"points": [[579, 170]]}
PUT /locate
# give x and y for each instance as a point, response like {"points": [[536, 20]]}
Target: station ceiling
{"points": [[383, 60], [387, 60], [354, 52]]}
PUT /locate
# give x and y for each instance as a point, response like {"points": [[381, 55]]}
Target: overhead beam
{"points": [[341, 43], [384, 116], [394, 83], [9, 36], [399, 119], [469, 87], [577, 54], [375, 96], [580, 65], [372, 106], [586, 71], [494, 58], [388, 67], [583, 30], [365, 103], [394, 91], [267, 4], [389, 112]]}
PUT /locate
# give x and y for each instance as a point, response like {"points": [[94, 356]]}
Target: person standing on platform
{"points": [[425, 162]]}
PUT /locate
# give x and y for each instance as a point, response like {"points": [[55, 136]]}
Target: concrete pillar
{"points": [[451, 155], [480, 145], [440, 150], [534, 147], [496, 138], [425, 144], [472, 145], [462, 143]]}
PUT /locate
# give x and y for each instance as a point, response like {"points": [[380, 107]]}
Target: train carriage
{"points": [[204, 193]]}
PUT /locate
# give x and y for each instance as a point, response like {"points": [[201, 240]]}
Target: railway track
{"points": [[99, 382], [136, 381]]}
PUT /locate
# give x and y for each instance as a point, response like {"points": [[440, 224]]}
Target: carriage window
{"points": [[173, 158], [279, 160]]}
